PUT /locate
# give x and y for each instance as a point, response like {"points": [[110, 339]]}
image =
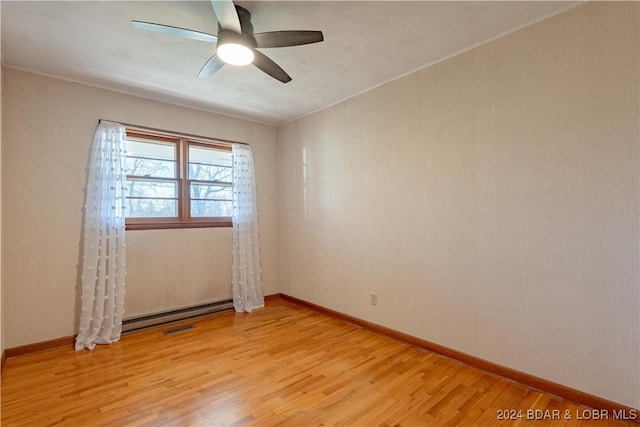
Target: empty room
{"points": [[305, 213]]}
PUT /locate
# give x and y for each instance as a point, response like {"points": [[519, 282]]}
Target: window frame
{"points": [[184, 218]]}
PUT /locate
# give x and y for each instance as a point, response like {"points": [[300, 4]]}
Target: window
{"points": [[176, 182]]}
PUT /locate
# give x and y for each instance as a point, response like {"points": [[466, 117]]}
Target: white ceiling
{"points": [[366, 44]]}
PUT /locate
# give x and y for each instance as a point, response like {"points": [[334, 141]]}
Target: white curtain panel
{"points": [[103, 262], [247, 275]]}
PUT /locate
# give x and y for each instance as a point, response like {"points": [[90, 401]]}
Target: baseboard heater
{"points": [[160, 318]]}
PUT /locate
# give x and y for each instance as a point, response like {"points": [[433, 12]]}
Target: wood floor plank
{"points": [[282, 365]]}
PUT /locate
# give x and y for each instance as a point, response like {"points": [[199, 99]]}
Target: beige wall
{"points": [[48, 127], [491, 201]]}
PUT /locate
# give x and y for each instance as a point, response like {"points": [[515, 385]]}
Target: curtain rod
{"points": [[172, 133]]}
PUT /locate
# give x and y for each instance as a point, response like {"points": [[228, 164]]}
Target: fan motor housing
{"points": [[245, 39]]}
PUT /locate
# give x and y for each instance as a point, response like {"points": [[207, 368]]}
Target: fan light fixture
{"points": [[235, 53]]}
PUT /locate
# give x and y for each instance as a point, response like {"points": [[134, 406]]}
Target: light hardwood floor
{"points": [[282, 365]]}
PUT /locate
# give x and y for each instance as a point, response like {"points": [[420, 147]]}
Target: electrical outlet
{"points": [[374, 299]]}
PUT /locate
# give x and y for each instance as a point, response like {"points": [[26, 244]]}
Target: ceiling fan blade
{"points": [[210, 67], [287, 38], [175, 31], [268, 66], [227, 16]]}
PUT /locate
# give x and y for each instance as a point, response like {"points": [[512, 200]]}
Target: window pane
{"points": [[210, 208], [205, 172], [152, 208], [151, 168], [212, 156], [203, 191], [209, 164], [152, 189], [155, 150]]}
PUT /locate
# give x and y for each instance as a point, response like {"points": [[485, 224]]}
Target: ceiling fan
{"points": [[236, 42]]}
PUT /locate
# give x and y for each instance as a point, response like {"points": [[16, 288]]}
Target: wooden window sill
{"points": [[172, 225]]}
